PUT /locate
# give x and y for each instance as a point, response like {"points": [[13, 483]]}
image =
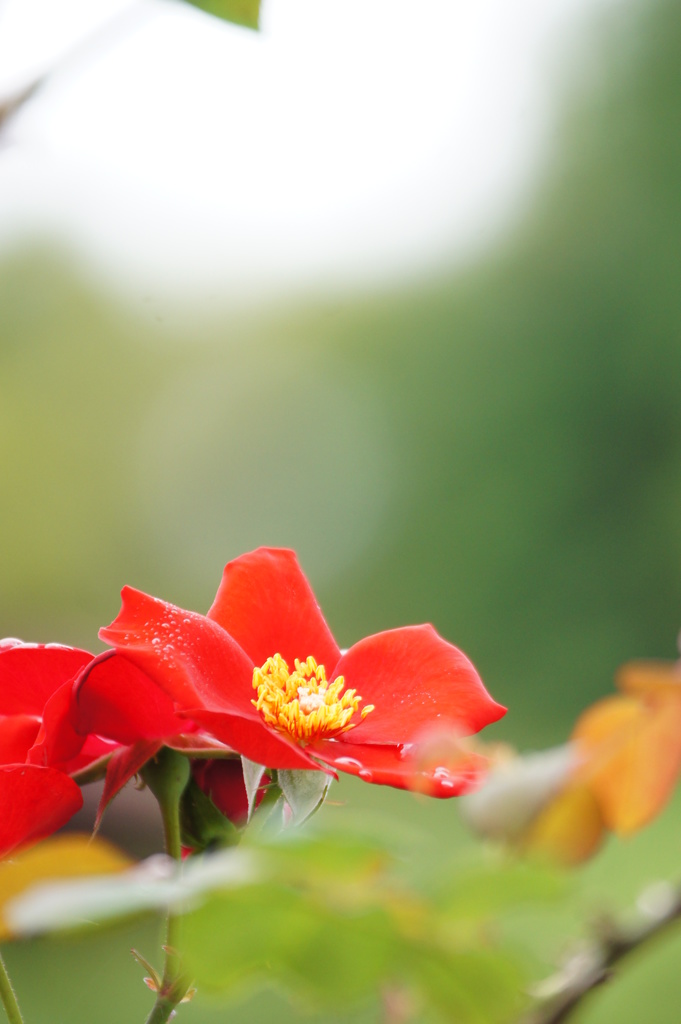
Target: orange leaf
{"points": [[569, 830], [632, 756], [651, 679]]}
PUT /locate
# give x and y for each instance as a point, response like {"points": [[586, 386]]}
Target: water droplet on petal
{"points": [[367, 775], [348, 762], [9, 642], [444, 777]]}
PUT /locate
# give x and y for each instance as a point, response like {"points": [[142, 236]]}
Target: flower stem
{"points": [[167, 777], [9, 999]]}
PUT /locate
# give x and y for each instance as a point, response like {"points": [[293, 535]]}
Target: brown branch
{"points": [[565, 991], [10, 105]]}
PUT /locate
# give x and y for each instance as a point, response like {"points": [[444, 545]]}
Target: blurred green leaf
{"points": [[496, 888], [313, 860], [240, 12], [472, 987], [325, 954]]}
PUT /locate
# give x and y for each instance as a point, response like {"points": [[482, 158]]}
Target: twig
{"points": [[565, 991], [114, 25]]}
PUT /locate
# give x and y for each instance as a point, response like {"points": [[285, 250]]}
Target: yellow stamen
{"points": [[302, 703]]}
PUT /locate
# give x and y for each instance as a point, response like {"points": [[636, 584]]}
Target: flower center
{"points": [[302, 703]]}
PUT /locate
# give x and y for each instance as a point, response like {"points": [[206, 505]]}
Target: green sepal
{"points": [[253, 776], [202, 825], [304, 791]]}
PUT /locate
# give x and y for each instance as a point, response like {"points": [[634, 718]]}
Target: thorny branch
{"points": [[563, 993]]}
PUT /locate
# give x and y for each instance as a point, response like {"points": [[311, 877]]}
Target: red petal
{"points": [[17, 736], [190, 657], [34, 803], [254, 740], [223, 781], [30, 673], [114, 698], [57, 742], [94, 749], [266, 603], [415, 680], [385, 766], [125, 763]]}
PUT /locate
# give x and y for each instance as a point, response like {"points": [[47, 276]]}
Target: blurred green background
{"points": [[497, 451]]}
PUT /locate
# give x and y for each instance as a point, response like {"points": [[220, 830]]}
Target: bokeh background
{"points": [[492, 445]]}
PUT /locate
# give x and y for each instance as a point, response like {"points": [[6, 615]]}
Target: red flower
{"points": [[45, 737], [263, 674], [35, 798], [34, 803]]}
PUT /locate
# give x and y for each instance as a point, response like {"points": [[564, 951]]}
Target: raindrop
{"points": [[367, 775], [444, 777], [348, 762]]}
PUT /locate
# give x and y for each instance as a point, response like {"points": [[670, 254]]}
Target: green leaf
{"points": [[493, 889], [472, 987], [305, 791], [318, 861], [240, 12], [326, 954]]}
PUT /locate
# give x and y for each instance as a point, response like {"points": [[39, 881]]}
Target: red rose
{"points": [[263, 674]]}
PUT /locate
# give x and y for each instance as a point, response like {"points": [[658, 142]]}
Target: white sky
{"points": [[345, 144]]}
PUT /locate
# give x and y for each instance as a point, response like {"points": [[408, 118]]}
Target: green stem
{"points": [[163, 1008], [9, 999], [167, 777]]}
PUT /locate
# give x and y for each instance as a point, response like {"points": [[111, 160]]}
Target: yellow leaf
{"points": [[651, 679], [53, 860], [631, 750], [569, 830]]}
